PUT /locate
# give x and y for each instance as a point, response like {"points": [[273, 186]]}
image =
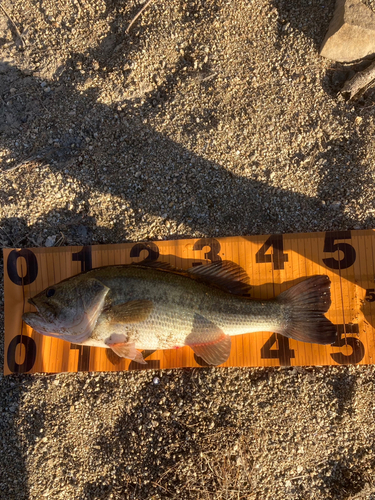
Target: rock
{"points": [[359, 82], [351, 34], [82, 232], [50, 241]]}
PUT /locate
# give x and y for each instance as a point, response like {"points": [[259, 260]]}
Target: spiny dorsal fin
{"points": [[154, 264], [224, 274]]}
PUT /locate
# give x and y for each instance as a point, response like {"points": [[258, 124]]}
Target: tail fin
{"points": [[308, 302]]}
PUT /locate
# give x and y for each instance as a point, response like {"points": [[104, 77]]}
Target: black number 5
{"points": [[330, 246], [358, 349]]}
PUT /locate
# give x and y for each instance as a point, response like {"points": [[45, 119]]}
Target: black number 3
{"points": [[213, 244]]}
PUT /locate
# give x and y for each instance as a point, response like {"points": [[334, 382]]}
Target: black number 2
{"points": [[152, 249]]}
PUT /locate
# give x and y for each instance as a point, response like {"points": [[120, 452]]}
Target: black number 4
{"points": [[284, 354], [278, 257]]}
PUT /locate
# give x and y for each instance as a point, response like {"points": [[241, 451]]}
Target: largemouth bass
{"points": [[134, 307]]}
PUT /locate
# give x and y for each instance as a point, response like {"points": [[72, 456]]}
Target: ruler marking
{"points": [[371, 239], [369, 250], [365, 335], [304, 272], [246, 339], [346, 294]]}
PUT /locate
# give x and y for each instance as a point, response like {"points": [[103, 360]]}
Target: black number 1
{"points": [[84, 256]]}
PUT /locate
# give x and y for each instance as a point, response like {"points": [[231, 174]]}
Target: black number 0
{"points": [[31, 272], [30, 354], [31, 267]]}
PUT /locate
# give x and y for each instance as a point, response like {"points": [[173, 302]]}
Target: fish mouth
{"points": [[36, 321], [38, 311], [32, 302]]}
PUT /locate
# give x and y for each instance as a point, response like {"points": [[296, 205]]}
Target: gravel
{"points": [[370, 4], [303, 433], [210, 118]]}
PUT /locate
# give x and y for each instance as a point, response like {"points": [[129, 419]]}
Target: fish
{"points": [[151, 306]]}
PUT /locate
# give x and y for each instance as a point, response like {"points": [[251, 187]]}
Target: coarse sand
{"points": [[209, 118]]}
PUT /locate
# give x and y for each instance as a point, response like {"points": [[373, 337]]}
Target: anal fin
{"points": [[208, 341]]}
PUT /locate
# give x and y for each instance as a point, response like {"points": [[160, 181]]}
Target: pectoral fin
{"points": [[117, 342], [208, 341]]}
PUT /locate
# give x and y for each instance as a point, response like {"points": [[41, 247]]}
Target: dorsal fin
{"points": [[224, 274], [155, 264]]}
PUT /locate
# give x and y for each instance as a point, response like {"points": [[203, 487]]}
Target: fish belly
{"points": [[166, 327]]}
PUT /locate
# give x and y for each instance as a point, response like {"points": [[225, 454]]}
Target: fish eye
{"points": [[50, 292]]}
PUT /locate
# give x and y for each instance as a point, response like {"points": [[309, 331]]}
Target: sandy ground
{"points": [[209, 118]]}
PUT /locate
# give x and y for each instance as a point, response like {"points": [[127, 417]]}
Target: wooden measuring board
{"points": [[273, 263]]}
